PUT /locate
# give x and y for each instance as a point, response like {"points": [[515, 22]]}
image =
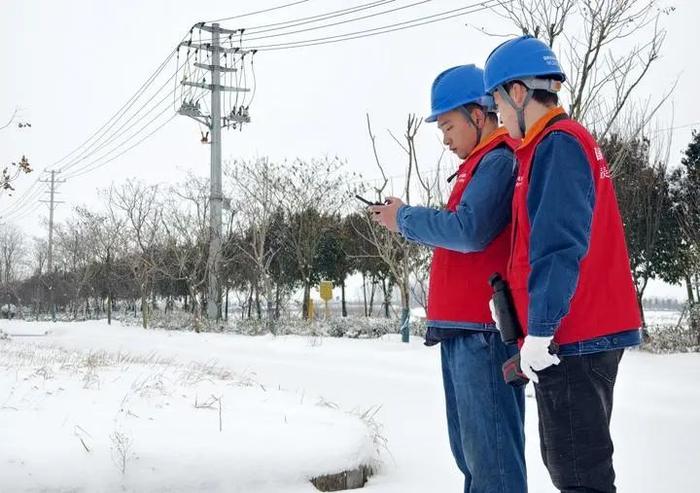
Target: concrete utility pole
{"points": [[214, 290], [52, 205], [238, 116]]}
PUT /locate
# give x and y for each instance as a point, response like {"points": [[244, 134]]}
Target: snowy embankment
{"points": [[654, 422], [101, 421]]}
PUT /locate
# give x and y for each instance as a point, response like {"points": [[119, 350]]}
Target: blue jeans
{"points": [[484, 415]]}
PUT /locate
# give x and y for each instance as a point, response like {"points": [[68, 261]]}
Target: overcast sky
{"points": [[70, 64]]}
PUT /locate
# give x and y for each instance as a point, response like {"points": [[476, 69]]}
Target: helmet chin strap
{"points": [[519, 110], [471, 121]]}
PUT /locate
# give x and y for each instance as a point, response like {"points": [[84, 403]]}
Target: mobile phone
{"points": [[368, 202]]}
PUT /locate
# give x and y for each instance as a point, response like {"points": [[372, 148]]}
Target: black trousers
{"points": [[574, 403]]}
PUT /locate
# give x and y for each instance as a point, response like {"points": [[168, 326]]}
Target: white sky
{"points": [[70, 65]]}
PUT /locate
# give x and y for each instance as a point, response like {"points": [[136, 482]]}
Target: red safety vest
{"points": [[459, 289], [604, 301]]}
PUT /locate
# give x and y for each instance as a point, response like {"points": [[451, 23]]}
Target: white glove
{"points": [[535, 356], [494, 315]]}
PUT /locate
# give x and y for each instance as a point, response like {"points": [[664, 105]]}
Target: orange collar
{"points": [[499, 132], [540, 124]]}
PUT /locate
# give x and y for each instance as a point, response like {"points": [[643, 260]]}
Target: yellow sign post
{"points": [[326, 291]]}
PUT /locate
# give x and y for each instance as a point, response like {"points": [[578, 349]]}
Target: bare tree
{"points": [[38, 262], [12, 253], [185, 221], [593, 37], [256, 188], [142, 212], [105, 231], [402, 258], [75, 255]]}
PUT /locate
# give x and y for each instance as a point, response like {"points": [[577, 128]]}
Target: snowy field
{"points": [[662, 317], [86, 401]]}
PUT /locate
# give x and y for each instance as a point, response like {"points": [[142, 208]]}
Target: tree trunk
{"points": [[405, 313], [144, 310], [250, 302], [305, 302], [270, 305], [109, 287], [371, 297], [258, 308], [277, 302], [364, 292], [405, 302], [640, 295], [109, 307], [689, 288], [344, 307], [226, 306], [387, 296]]}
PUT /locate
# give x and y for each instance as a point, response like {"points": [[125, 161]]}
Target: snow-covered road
{"points": [[655, 428]]}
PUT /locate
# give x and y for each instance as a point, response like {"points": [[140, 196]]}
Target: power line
{"points": [[123, 109], [98, 163], [288, 24], [115, 118], [247, 14], [107, 140], [679, 127], [484, 5], [129, 124], [20, 209], [78, 173], [276, 26], [421, 21], [338, 23], [128, 139]]}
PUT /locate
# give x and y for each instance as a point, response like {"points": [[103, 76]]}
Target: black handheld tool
{"points": [[508, 323], [513, 373], [368, 202], [510, 329]]}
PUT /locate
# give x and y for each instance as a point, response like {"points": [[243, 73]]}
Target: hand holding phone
{"points": [[368, 202]]}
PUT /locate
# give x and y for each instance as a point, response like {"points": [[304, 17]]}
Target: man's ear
{"points": [[518, 92], [478, 117]]}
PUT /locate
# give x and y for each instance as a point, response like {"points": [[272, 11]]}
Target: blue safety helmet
{"points": [[456, 87], [526, 59]]}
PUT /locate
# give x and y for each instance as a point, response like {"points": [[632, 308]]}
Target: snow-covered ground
{"points": [[45, 417], [662, 317]]}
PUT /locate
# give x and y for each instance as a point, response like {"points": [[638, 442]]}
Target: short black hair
{"points": [[540, 95], [493, 117]]}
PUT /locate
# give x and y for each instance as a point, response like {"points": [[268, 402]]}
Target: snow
{"points": [[662, 317], [181, 448]]}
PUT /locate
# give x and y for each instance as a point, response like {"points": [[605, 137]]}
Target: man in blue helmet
{"points": [[471, 240], [569, 270]]}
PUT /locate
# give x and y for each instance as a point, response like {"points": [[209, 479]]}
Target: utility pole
{"points": [[52, 205], [214, 291], [237, 116]]}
